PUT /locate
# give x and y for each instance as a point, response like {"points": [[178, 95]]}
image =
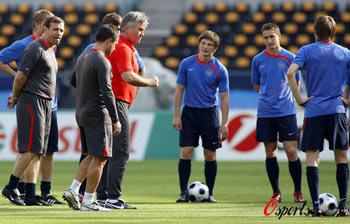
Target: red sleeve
{"points": [[124, 60]]}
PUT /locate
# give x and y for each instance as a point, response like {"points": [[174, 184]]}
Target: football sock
{"points": [[295, 172], [75, 186], [342, 181], [83, 184], [184, 169], [88, 198], [45, 187], [210, 170], [13, 182], [30, 190], [273, 171], [21, 187], [313, 180]]}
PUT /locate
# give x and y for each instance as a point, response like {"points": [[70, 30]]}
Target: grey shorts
{"points": [[96, 141], [33, 121]]}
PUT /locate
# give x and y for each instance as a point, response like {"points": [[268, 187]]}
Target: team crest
{"points": [[209, 72], [281, 65]]}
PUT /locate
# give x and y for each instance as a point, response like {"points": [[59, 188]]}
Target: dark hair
{"points": [[40, 16], [210, 35], [270, 26], [324, 28], [112, 18], [105, 32], [52, 19]]}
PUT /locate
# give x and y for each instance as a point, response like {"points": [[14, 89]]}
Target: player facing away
{"points": [[276, 111], [201, 80], [96, 116], [33, 90], [327, 65], [14, 52]]}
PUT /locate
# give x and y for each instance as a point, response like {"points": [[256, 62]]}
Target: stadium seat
{"points": [[48, 6], [200, 27], [172, 41], [232, 18], [212, 18], [230, 51], [340, 29], [345, 17], [4, 8], [199, 7], [346, 39], [68, 8], [190, 18], [302, 39], [290, 28], [8, 30], [161, 52], [89, 7], [258, 40], [83, 29], [319, 14], [3, 41], [92, 19], [258, 17], [242, 63], [308, 7], [74, 41], [279, 17], [224, 61], [251, 51], [309, 28], [16, 19], [192, 41], [60, 63], [299, 18], [172, 63], [66, 31], [249, 28], [288, 7], [284, 40], [220, 7], [110, 7], [293, 49], [267, 7], [242, 8], [71, 18], [330, 8], [240, 39], [66, 52], [23, 9], [180, 29]]}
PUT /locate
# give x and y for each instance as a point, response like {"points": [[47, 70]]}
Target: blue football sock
{"points": [[295, 172], [273, 171], [342, 181], [184, 169], [210, 170], [313, 182]]}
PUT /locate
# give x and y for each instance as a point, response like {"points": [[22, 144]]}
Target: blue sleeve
{"points": [[140, 61], [224, 81], [89, 47], [255, 79], [14, 52], [181, 74], [300, 57]]}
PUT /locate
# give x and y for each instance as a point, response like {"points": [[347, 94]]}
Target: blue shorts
{"points": [[200, 122], [53, 136], [332, 127], [285, 127]]}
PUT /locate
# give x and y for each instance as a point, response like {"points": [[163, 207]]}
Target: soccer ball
{"points": [[198, 192], [328, 204]]}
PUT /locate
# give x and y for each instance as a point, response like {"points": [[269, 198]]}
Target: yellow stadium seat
{"points": [[230, 51], [251, 51], [190, 18], [309, 28], [346, 39], [240, 39], [71, 18], [288, 7], [329, 7], [284, 40], [48, 6], [89, 7], [290, 28], [299, 18], [319, 14], [16, 19], [302, 39], [4, 8], [212, 18], [199, 7], [220, 7], [172, 63], [92, 18], [74, 41], [110, 7], [161, 52], [68, 8], [23, 9], [258, 17], [180, 29], [279, 17], [259, 40], [200, 28], [224, 61], [3, 41], [60, 63], [192, 41], [66, 31], [242, 62], [66, 52], [8, 30], [308, 6], [241, 7], [83, 29], [293, 49], [232, 17], [345, 17], [172, 41], [249, 28], [267, 7], [340, 28]]}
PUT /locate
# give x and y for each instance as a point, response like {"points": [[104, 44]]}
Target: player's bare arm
{"points": [[177, 104], [7, 70], [20, 80], [345, 96], [136, 80], [256, 87], [223, 131], [294, 86]]}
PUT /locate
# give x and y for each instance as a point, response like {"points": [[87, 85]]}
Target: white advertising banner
{"points": [[69, 138]]}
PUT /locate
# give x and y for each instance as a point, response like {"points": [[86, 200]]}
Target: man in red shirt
{"points": [[125, 82]]}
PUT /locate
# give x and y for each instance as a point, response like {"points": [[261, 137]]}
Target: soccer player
{"points": [[125, 81], [276, 111], [33, 90], [201, 79], [95, 113], [327, 65]]}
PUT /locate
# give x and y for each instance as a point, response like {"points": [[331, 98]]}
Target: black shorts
{"points": [[198, 122], [53, 137], [285, 127], [332, 127], [96, 141], [33, 121]]}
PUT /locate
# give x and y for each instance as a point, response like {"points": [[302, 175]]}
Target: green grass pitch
{"points": [[242, 190]]}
